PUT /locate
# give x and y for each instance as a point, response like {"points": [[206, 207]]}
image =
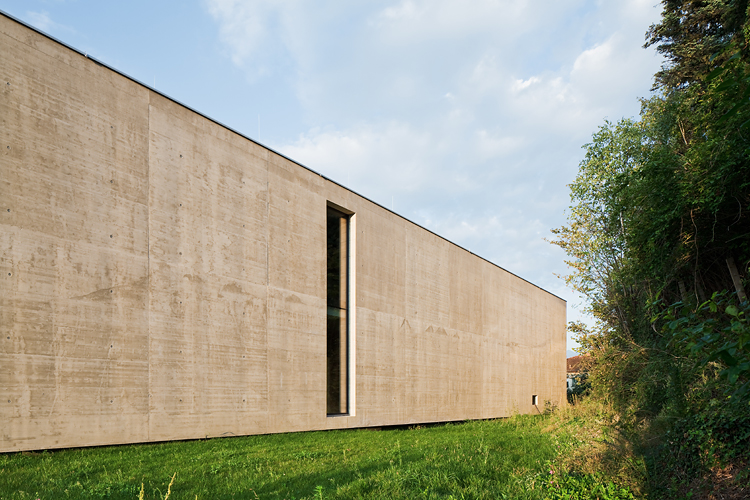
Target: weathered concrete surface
{"points": [[162, 277]]}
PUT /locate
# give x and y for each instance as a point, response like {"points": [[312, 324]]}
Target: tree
{"points": [[658, 239], [690, 35]]}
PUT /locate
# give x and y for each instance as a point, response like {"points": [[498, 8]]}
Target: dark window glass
{"points": [[337, 253]]}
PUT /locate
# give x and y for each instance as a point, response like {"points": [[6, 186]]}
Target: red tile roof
{"points": [[574, 363]]}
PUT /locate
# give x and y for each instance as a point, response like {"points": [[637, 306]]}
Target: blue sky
{"points": [[465, 117]]}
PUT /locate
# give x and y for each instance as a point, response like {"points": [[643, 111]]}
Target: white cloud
{"points": [[470, 119], [256, 33], [242, 25], [439, 19], [369, 159], [519, 85], [489, 145]]}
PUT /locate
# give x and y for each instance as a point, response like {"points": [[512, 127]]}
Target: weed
{"points": [[169, 488], [575, 486]]}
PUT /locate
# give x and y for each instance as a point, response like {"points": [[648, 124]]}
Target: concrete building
{"points": [[163, 277]]}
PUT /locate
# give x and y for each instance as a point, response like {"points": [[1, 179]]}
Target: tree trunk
{"points": [[683, 291], [736, 280]]}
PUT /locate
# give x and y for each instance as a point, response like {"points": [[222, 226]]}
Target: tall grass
{"points": [[523, 457], [594, 448], [486, 459]]}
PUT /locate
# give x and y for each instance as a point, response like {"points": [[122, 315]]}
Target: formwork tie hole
{"points": [[111, 236]]}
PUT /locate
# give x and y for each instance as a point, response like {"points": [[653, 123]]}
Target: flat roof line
{"points": [[111, 68]]}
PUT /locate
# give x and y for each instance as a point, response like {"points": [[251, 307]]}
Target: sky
{"points": [[467, 118]]}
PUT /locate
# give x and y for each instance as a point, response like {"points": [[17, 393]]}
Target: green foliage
{"points": [[594, 238], [699, 443], [659, 207], [716, 335], [730, 81], [575, 486], [691, 33]]}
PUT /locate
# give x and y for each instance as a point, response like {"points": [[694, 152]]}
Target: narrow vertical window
{"points": [[337, 357]]}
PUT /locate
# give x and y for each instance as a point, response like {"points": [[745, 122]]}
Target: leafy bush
{"points": [[716, 332], [708, 440], [574, 486]]}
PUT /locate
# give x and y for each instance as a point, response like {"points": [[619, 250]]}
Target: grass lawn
{"points": [[473, 460]]}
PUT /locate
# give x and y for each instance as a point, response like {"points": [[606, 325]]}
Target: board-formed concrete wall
{"points": [[163, 277]]}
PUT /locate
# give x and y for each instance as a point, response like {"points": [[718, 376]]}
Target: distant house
{"points": [[574, 372]]}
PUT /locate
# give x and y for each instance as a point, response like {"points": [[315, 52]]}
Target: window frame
{"points": [[351, 315]]}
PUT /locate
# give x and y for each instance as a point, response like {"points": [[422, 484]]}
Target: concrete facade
{"points": [[163, 277]]}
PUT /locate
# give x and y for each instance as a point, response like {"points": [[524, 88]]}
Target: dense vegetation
{"points": [[658, 237]]}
